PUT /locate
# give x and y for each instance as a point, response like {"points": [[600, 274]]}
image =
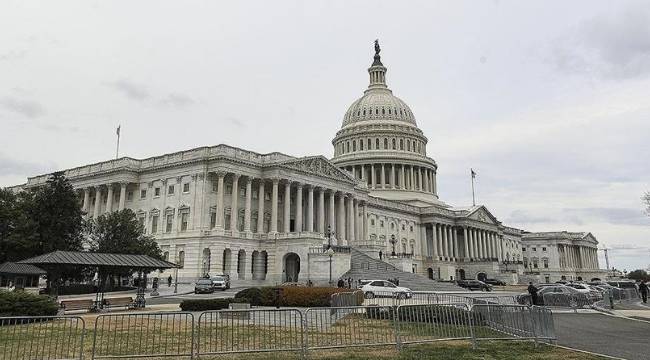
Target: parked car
{"points": [[203, 286], [220, 282], [623, 284], [588, 290], [363, 282], [474, 285], [383, 288], [495, 282]]}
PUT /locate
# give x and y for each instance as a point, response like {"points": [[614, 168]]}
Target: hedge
{"points": [[21, 303], [205, 304], [427, 314], [295, 296]]}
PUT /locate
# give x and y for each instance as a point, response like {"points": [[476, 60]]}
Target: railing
{"points": [[177, 334], [323, 249], [617, 296]]}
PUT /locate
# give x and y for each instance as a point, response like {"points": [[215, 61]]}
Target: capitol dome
{"points": [[380, 144]]}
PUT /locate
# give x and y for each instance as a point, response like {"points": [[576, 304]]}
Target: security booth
{"points": [[20, 276], [104, 264]]}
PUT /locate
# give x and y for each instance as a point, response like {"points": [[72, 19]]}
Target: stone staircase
{"points": [[363, 266]]}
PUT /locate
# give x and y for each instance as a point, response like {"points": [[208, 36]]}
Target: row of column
{"points": [[97, 191], [395, 176], [578, 257], [341, 217], [476, 244]]}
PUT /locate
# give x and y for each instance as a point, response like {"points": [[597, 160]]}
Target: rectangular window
{"points": [[186, 187], [534, 249], [543, 249], [166, 255], [181, 259], [254, 195], [523, 249], [242, 192], [184, 217], [170, 190], [154, 224], [215, 186], [229, 189], [170, 220], [213, 220], [129, 196], [143, 194], [545, 263], [156, 192], [267, 196]]}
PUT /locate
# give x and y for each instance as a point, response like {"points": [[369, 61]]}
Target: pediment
{"points": [[319, 166], [483, 215]]}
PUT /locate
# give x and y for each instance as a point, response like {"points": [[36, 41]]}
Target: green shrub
{"points": [[295, 296], [252, 296], [21, 303], [424, 314], [205, 304]]}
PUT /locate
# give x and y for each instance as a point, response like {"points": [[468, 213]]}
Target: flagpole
{"points": [[117, 150], [471, 173]]}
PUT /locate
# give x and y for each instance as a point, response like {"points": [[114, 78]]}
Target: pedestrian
{"points": [[340, 283], [397, 281], [380, 254], [349, 283], [643, 289], [169, 281], [532, 290]]}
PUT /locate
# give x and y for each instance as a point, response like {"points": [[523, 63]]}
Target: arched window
{"points": [[377, 111], [385, 143], [348, 150], [408, 145], [360, 144], [364, 112], [401, 144], [377, 144], [369, 144], [383, 111], [354, 145]]}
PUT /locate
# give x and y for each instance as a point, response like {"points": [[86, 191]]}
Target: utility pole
{"points": [[606, 250]]}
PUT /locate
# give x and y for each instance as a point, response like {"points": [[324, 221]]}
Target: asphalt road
{"points": [[604, 334]]}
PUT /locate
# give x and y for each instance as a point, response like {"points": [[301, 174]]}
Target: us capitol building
{"points": [[271, 218]]}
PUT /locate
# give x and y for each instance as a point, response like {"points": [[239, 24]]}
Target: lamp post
{"points": [[392, 242], [330, 253]]}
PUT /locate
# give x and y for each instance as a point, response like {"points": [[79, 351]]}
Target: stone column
{"points": [[402, 177], [330, 208], [434, 235], [86, 206], [299, 211], [260, 207], [287, 207], [351, 228], [247, 209], [454, 234], [412, 182], [357, 224], [109, 199], [234, 203], [465, 243], [98, 199], [392, 176], [490, 244], [363, 174], [372, 176], [421, 185], [220, 207], [472, 243], [426, 181], [122, 196], [450, 242], [342, 240], [445, 241], [321, 211], [274, 206], [364, 218], [383, 177], [310, 209]]}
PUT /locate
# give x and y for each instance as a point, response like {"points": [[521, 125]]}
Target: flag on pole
{"points": [[473, 173], [118, 130]]}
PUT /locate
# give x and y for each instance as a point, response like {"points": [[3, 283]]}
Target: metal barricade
{"points": [[245, 331], [500, 322], [542, 319], [433, 322], [346, 298], [349, 327], [41, 337], [154, 335]]}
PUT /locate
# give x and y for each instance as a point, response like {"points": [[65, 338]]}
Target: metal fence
{"points": [[43, 337], [425, 297], [164, 334], [179, 334], [574, 301], [239, 331]]}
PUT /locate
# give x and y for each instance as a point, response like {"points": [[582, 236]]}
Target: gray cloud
{"points": [[524, 217], [618, 216], [15, 167], [13, 55], [131, 90], [237, 122], [27, 108], [177, 100], [614, 45]]}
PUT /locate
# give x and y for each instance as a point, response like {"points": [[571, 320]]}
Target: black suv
{"points": [[474, 285]]}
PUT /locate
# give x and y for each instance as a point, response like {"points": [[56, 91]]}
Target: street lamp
{"points": [[330, 253], [393, 241]]}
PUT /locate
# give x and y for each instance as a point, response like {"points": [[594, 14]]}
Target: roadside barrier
{"points": [[180, 334], [157, 335], [41, 337], [244, 331]]}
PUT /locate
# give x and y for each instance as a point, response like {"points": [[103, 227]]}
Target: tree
{"points": [[639, 275], [646, 201], [120, 232], [40, 220]]}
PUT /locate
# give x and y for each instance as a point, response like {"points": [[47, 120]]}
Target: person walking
{"points": [[169, 281], [380, 254], [532, 290], [643, 289]]}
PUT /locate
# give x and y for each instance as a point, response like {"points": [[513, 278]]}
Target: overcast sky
{"points": [[548, 100]]}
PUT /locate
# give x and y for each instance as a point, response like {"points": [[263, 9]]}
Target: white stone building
{"points": [[268, 218]]}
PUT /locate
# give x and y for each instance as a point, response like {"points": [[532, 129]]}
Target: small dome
{"points": [[378, 104]]}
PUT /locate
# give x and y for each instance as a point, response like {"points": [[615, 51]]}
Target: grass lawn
{"points": [[457, 350]]}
